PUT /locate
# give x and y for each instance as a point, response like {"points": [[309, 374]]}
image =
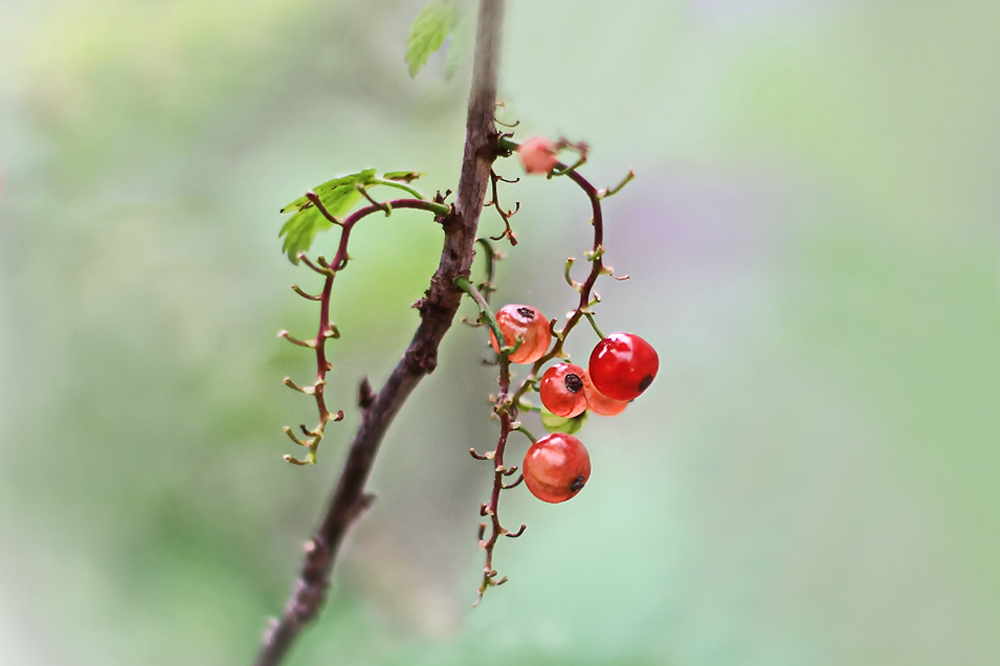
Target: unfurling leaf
{"points": [[428, 33], [338, 196]]}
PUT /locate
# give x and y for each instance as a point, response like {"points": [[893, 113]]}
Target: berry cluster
{"points": [[622, 366]]}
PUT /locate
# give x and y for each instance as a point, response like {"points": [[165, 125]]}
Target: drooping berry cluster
{"points": [[621, 367]]}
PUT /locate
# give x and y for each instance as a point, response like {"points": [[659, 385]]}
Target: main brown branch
{"points": [[437, 311]]}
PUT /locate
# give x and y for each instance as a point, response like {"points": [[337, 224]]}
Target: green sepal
{"points": [[569, 426]]}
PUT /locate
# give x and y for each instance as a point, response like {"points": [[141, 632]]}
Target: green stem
{"points": [[484, 307], [400, 186], [527, 433], [593, 323]]}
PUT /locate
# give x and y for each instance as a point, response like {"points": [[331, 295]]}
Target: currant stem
{"points": [[401, 186], [527, 433], [484, 307], [593, 324]]}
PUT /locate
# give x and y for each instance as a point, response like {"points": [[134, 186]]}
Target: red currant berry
{"points": [[599, 403], [556, 467], [562, 390], [528, 323], [537, 155], [623, 365]]}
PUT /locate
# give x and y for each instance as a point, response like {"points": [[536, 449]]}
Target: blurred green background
{"points": [[812, 479]]}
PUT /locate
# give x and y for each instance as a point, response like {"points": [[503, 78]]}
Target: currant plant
{"points": [[556, 466]]}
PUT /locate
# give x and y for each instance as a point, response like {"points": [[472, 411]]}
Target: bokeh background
{"points": [[812, 479]]}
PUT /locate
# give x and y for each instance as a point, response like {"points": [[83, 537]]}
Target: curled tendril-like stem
{"points": [[505, 215], [327, 329]]}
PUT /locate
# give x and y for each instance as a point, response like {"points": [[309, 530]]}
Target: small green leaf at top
{"points": [[338, 196], [569, 426], [428, 32]]}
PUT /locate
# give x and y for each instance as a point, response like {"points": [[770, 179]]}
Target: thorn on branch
{"points": [[365, 396]]}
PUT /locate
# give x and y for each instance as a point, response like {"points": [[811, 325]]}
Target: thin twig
{"points": [[505, 215]]}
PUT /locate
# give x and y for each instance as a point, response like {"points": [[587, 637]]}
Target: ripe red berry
{"points": [[530, 324], [599, 403], [556, 467], [562, 390], [537, 155], [623, 365]]}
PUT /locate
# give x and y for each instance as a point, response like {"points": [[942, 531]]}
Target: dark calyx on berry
{"points": [[623, 365], [577, 484], [527, 313], [575, 384], [644, 384]]}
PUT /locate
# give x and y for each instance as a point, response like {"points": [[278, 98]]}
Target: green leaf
{"points": [[338, 196], [332, 188], [428, 33], [403, 176], [553, 423]]}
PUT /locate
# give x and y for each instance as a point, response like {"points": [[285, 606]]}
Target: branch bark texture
{"points": [[437, 312]]}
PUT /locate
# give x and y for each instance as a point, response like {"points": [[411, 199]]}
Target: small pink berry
{"points": [[537, 155]]}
